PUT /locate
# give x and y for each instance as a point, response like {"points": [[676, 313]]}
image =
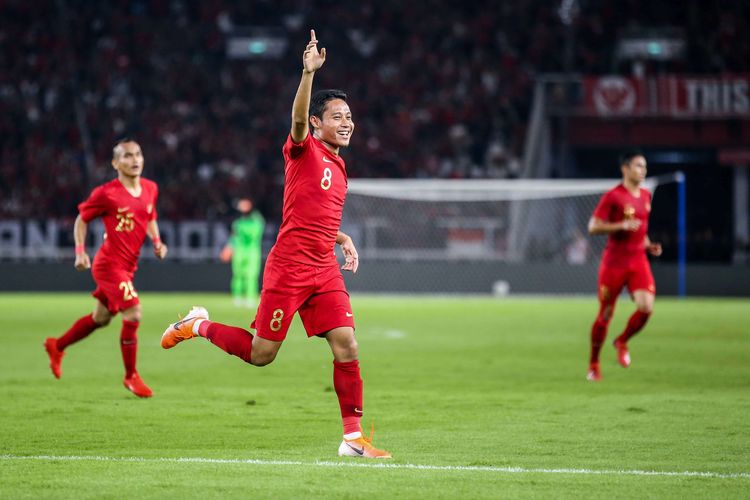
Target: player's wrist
{"points": [[156, 242], [80, 249]]}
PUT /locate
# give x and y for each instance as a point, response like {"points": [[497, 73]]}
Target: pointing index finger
{"points": [[312, 35]]}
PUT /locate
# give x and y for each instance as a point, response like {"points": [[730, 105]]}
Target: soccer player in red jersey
{"points": [[127, 205], [301, 273], [622, 213]]}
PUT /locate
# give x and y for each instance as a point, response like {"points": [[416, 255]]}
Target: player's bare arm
{"points": [[598, 226], [152, 230], [80, 228], [312, 60], [350, 252]]}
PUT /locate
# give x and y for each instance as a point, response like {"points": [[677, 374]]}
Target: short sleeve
{"points": [[604, 208], [294, 150], [94, 206]]}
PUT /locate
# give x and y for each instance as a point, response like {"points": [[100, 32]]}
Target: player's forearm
{"points": [[79, 232], [597, 226], [152, 230], [341, 237], [301, 106]]}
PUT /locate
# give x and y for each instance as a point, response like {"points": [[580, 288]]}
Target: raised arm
{"points": [[312, 60]]}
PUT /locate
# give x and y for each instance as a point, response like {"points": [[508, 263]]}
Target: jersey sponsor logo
{"points": [[124, 220], [326, 160]]}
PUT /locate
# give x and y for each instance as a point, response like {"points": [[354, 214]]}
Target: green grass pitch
{"points": [[489, 396]]}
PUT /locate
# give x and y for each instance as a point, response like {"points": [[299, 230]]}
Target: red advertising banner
{"points": [[705, 97], [719, 96]]}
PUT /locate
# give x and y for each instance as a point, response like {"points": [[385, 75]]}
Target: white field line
{"points": [[383, 465]]}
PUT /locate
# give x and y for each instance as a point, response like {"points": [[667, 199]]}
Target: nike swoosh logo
{"points": [[349, 315], [358, 451], [357, 410], [176, 326], [325, 159]]}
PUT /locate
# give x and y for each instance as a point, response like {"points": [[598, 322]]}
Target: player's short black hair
{"points": [[119, 143], [627, 156], [321, 97]]}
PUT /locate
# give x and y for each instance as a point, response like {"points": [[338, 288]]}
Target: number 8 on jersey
{"points": [[325, 182]]}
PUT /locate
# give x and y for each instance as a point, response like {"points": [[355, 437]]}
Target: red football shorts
{"points": [[114, 288], [635, 273], [317, 293]]}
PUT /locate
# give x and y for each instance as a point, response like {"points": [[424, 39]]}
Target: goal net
{"points": [[475, 236]]}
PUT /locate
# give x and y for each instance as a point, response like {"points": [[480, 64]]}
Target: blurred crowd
{"points": [[437, 89]]}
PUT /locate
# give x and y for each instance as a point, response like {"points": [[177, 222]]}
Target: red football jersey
{"points": [[315, 184], [619, 204], [125, 219]]}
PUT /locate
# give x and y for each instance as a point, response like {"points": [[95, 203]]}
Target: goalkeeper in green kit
{"points": [[244, 250]]}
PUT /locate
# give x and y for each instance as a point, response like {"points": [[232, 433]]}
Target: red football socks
{"points": [[598, 334], [348, 385], [233, 340], [80, 330], [129, 345], [635, 324]]}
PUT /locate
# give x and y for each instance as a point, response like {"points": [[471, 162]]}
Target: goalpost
{"points": [[480, 236]]}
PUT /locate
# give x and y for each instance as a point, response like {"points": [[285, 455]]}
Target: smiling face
{"points": [[336, 127], [127, 159]]}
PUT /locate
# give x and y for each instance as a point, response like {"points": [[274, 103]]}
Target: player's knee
{"points": [[605, 315], [133, 314], [350, 348], [645, 307], [262, 358], [101, 319]]}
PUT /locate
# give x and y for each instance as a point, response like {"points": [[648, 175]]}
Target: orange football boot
{"points": [[183, 329], [361, 447]]}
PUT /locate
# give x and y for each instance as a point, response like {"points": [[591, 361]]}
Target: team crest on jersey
{"points": [[124, 220], [628, 212]]}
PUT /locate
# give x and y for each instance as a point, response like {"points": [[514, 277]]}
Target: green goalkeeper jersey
{"points": [[247, 233]]}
